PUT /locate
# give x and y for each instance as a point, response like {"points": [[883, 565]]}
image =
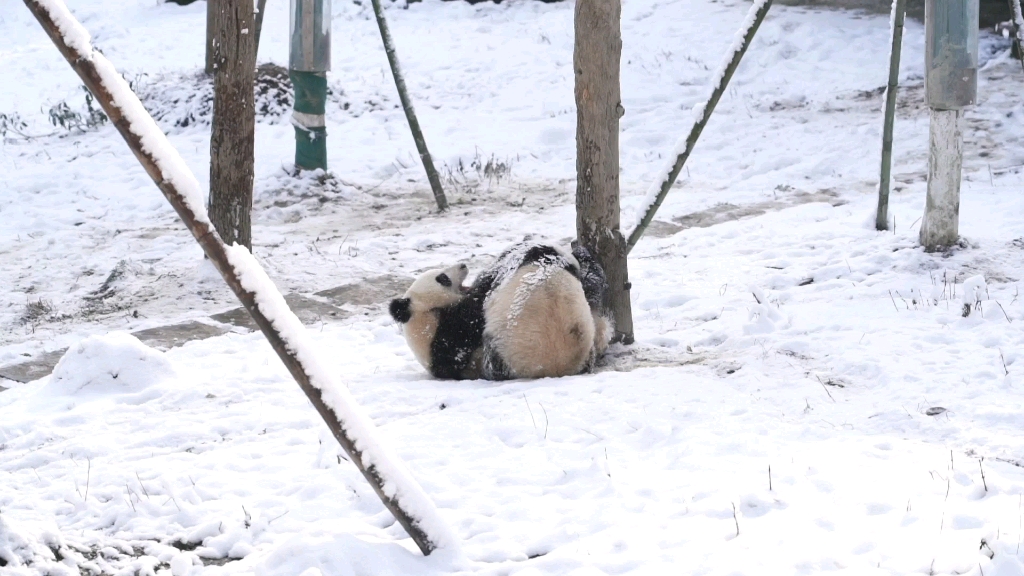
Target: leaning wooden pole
{"points": [[410, 113], [701, 114], [899, 13], [350, 425]]}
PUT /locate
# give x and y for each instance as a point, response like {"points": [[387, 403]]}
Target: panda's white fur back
{"points": [[539, 322]]}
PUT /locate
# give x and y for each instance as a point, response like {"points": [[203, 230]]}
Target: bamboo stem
{"points": [[410, 113], [160, 161], [753, 21], [899, 12]]}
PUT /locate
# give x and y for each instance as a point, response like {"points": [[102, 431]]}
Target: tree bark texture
{"points": [[234, 122], [596, 57], [940, 227]]}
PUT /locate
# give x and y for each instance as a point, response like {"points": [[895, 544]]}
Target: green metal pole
{"points": [[899, 12], [308, 64]]}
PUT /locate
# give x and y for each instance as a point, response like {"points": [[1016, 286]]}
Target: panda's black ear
{"points": [[444, 280], [400, 310]]}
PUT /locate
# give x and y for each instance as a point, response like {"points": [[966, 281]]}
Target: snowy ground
{"points": [[889, 421]]}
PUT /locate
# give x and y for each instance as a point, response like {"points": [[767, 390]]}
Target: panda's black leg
{"points": [[494, 365]]}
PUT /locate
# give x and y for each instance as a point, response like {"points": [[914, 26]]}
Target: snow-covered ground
{"points": [[854, 420]]}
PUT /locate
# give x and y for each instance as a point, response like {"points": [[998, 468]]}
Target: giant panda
{"points": [[543, 313], [443, 323], [536, 312]]}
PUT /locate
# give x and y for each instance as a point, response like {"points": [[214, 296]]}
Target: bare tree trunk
{"points": [[234, 121], [211, 9], [596, 59], [261, 7]]}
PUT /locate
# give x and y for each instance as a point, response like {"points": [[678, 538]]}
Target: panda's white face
{"points": [[437, 288], [415, 311]]}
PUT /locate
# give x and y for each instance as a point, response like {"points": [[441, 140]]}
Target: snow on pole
{"points": [[410, 113], [701, 114], [896, 19], [350, 425]]}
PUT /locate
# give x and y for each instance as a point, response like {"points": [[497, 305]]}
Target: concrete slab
{"points": [[167, 337], [369, 292], [33, 369], [309, 311], [236, 317]]}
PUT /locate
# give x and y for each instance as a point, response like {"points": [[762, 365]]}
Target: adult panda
{"points": [[544, 313], [443, 322], [536, 312]]}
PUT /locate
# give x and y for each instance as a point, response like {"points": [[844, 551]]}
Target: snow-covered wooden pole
{"points": [[896, 19], [951, 84], [701, 114], [350, 425], [410, 113]]}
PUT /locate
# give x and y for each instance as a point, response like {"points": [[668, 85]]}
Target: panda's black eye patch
{"points": [[444, 280]]}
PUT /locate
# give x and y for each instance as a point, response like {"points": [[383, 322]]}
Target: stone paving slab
{"points": [[372, 291], [309, 311], [377, 290], [161, 338], [33, 369], [167, 337]]}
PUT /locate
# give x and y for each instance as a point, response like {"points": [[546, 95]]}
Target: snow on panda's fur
{"points": [[443, 323], [543, 313]]}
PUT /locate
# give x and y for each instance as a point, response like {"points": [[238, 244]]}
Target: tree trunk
{"points": [[234, 121], [596, 58], [211, 8]]}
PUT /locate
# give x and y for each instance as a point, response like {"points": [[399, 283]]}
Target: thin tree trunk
{"points": [[211, 34], [899, 12], [234, 122], [261, 7], [410, 113], [401, 495], [596, 58], [659, 189], [1017, 15]]}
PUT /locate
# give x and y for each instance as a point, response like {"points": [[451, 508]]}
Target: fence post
{"points": [[951, 84]]}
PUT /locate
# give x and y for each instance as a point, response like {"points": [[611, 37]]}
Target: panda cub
{"points": [[544, 314], [443, 323]]}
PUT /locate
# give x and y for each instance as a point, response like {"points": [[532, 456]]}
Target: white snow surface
{"points": [[399, 484], [876, 404]]}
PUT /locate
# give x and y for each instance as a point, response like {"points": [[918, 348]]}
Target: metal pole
{"points": [[308, 63], [899, 12], [951, 84]]}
